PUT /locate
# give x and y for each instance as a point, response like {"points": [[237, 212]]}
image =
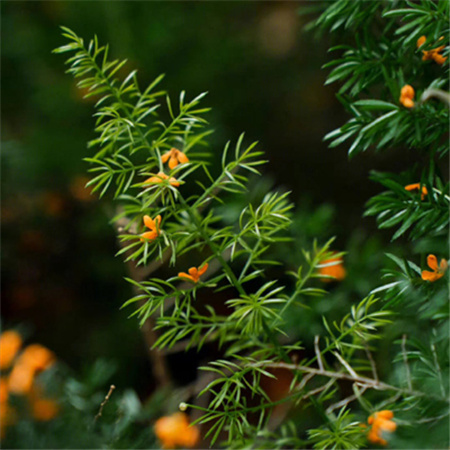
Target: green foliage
{"points": [[343, 432], [135, 128]]}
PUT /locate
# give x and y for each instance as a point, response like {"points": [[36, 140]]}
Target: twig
{"points": [[317, 350], [345, 401], [438, 368], [372, 362], [105, 401], [345, 364], [405, 360], [436, 93], [363, 381]]}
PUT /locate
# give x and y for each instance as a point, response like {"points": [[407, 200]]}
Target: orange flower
{"points": [[79, 190], [194, 273], [160, 177], [3, 390], [407, 96], [34, 358], [438, 271], [416, 186], [176, 157], [421, 41], [10, 343], [44, 409], [433, 54], [153, 225], [175, 431], [21, 379], [37, 357], [336, 271], [380, 421]]}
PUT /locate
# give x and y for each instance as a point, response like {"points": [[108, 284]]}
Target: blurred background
{"points": [[61, 284]]}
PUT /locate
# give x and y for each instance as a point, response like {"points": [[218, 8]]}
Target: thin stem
{"points": [[105, 401], [405, 360]]}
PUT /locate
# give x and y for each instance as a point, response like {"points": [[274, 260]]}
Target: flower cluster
{"points": [[433, 54], [21, 380], [381, 422], [175, 431], [174, 157]]}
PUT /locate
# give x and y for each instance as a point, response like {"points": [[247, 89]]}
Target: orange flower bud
{"points": [[407, 96], [333, 268]]}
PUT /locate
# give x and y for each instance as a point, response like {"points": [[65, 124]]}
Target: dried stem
{"points": [[105, 401], [317, 350]]}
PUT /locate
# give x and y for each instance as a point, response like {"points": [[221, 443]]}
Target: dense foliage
{"points": [[216, 258]]}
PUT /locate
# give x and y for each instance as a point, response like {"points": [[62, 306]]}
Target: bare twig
{"points": [[317, 350], [405, 360], [441, 95], [346, 365], [372, 362], [362, 381], [105, 401]]}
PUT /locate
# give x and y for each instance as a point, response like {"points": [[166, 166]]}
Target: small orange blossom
{"points": [[175, 157], [407, 96], [153, 225], [336, 270], [160, 177], [194, 273], [433, 54], [175, 431], [437, 271], [416, 186]]}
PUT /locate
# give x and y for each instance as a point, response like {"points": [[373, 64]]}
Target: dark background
{"points": [[61, 284]]}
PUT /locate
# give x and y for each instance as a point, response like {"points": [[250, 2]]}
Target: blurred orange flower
{"points": [[44, 409], [380, 421], [407, 96], [37, 357], [433, 54], [334, 268], [153, 225], [175, 157], [79, 190], [21, 378], [175, 431], [160, 177], [194, 273], [437, 271], [416, 186], [3, 390], [10, 343]]}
